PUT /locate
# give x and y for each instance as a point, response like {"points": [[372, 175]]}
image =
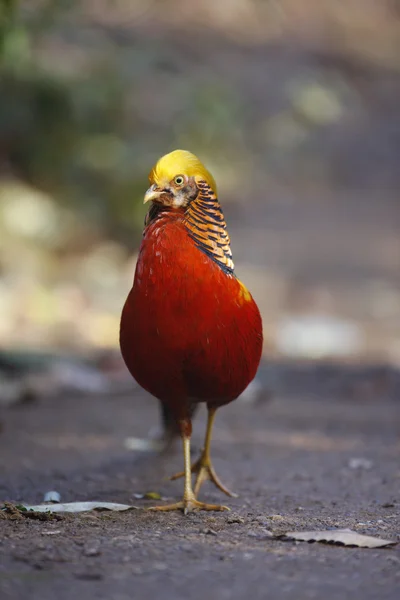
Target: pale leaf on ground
{"points": [[345, 537], [77, 507]]}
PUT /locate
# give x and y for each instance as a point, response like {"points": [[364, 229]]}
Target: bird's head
{"points": [[174, 179]]}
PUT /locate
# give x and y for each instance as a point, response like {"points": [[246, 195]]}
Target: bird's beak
{"points": [[153, 194]]}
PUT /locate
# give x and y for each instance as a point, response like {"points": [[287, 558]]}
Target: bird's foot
{"points": [[205, 471], [188, 505]]}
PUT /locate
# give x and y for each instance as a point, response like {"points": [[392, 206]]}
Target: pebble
{"points": [[267, 533], [208, 532], [234, 519], [360, 463], [91, 551], [262, 534], [253, 534], [52, 496]]}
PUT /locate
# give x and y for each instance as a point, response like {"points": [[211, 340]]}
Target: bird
{"points": [[190, 330]]}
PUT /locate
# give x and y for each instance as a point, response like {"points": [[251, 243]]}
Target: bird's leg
{"points": [[189, 502], [203, 465], [164, 436]]}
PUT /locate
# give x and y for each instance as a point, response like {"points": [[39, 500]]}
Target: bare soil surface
{"points": [[290, 458]]}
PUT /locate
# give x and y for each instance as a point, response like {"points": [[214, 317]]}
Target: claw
{"points": [[205, 471], [189, 505]]}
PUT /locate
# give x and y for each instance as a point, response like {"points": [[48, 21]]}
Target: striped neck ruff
{"points": [[206, 226]]}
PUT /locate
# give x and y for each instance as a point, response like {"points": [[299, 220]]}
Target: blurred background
{"points": [[293, 106]]}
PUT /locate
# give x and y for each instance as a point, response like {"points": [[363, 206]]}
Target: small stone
{"points": [[253, 534], [52, 496], [360, 463], [234, 519], [209, 532], [262, 534], [41, 546], [262, 521], [91, 551], [267, 533]]}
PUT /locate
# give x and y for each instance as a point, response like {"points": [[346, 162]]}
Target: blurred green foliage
{"points": [[65, 133], [82, 134], [90, 96]]}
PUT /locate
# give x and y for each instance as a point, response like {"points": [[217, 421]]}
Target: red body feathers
{"points": [[189, 330]]}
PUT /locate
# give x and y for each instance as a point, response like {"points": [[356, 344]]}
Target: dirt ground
{"points": [[289, 457]]}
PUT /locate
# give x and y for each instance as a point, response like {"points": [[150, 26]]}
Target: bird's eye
{"points": [[179, 180]]}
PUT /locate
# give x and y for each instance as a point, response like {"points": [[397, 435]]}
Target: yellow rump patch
{"points": [[244, 293]]}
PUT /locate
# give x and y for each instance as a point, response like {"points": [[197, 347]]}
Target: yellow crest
{"points": [[180, 162]]}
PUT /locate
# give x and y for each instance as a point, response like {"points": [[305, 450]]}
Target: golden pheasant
{"points": [[190, 330]]}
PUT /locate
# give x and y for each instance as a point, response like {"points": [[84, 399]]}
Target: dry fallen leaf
{"points": [[345, 537], [77, 507]]}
